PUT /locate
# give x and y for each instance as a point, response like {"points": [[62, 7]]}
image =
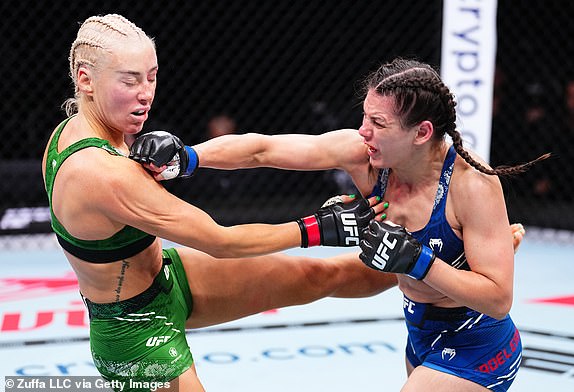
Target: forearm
{"points": [[471, 289], [156, 211], [333, 225], [231, 151], [487, 288], [240, 241]]}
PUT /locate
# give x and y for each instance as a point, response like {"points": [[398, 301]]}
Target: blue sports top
{"points": [[437, 234]]}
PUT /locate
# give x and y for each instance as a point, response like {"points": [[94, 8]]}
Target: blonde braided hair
{"points": [[96, 35]]}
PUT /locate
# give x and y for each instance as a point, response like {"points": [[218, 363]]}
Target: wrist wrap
{"points": [[192, 164], [424, 262], [310, 231]]}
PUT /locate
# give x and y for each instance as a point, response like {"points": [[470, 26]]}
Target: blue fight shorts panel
{"points": [[464, 343]]}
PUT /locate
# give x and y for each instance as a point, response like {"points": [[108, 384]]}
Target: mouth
{"points": [[139, 116], [370, 149], [139, 113]]}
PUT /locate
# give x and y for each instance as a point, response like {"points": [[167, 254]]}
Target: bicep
{"points": [[297, 152], [485, 228], [342, 149]]}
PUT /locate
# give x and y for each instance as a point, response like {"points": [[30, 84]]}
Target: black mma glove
{"points": [[391, 248], [162, 148], [336, 223]]}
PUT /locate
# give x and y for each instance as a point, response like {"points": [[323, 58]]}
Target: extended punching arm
{"points": [[334, 224]]}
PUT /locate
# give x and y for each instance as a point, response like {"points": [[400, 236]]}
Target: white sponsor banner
{"points": [[467, 67]]}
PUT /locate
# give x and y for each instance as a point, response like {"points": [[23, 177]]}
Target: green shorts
{"points": [[143, 338]]}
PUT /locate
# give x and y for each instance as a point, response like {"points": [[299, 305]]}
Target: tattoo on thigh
{"points": [[125, 266]]}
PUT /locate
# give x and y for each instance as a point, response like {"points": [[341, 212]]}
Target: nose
{"points": [[365, 130], [146, 93]]}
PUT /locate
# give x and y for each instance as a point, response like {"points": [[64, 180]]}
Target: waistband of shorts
{"points": [[417, 312], [133, 304], [446, 314]]}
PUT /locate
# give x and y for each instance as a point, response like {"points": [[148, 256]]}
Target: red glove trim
{"points": [[313, 232]]}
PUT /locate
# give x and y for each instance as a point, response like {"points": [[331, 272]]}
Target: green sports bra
{"points": [[127, 242]]}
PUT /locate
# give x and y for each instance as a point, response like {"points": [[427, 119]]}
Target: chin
{"points": [[133, 129], [376, 163]]}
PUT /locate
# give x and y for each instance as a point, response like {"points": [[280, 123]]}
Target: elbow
{"points": [[260, 149], [505, 309], [224, 247], [222, 251], [499, 315], [502, 307], [224, 242], [218, 253], [218, 245]]}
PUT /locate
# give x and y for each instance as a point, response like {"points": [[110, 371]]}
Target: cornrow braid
{"points": [[502, 171], [96, 35], [419, 95]]}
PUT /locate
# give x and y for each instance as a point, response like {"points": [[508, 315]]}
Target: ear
{"points": [[85, 80], [425, 131]]}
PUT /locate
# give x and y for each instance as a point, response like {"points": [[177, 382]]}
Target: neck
{"points": [[93, 126], [424, 166]]}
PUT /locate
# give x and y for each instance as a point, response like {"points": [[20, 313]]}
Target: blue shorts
{"points": [[464, 343]]}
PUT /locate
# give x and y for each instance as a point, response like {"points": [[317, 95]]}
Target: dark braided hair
{"points": [[421, 95]]}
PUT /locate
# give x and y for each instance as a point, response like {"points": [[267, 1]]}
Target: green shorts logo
{"points": [[156, 341]]}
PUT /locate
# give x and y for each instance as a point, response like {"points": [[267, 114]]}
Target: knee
{"points": [[321, 277], [375, 282]]}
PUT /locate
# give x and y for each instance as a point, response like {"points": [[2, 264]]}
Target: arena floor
{"points": [[332, 345]]}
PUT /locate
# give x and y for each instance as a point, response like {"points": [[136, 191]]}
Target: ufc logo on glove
{"points": [[403, 254], [350, 226], [381, 257], [336, 223]]}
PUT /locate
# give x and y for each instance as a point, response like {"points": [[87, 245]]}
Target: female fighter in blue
{"points": [[446, 236]]}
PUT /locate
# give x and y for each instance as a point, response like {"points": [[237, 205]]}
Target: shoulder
{"points": [[468, 177], [95, 168], [348, 135], [472, 191], [351, 151], [348, 143]]}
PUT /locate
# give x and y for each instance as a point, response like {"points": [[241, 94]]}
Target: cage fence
{"points": [[287, 67]]}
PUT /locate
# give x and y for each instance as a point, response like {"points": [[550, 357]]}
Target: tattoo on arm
{"points": [[125, 266]]}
